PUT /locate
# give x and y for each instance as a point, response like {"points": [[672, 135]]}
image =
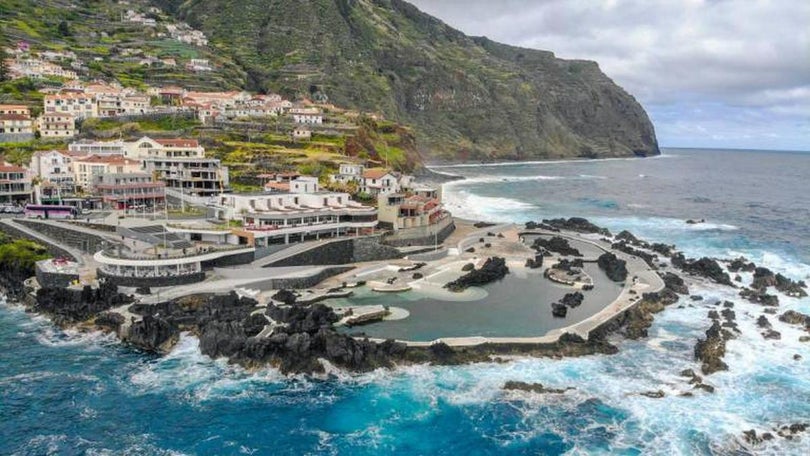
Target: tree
{"points": [[64, 28]]}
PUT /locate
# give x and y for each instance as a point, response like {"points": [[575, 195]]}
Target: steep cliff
{"points": [[468, 98]]}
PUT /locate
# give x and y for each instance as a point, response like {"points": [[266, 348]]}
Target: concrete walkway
{"points": [[472, 239], [226, 280]]}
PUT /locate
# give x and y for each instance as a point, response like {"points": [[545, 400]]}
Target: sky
{"points": [[710, 73]]}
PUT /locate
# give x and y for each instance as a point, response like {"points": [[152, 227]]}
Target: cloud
{"points": [[744, 56]]}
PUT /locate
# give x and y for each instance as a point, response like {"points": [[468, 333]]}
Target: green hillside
{"points": [[467, 97], [108, 47]]}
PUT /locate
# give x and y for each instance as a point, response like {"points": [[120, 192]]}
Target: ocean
{"points": [[67, 393]]}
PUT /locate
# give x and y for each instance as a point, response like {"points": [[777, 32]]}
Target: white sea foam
{"points": [[490, 179], [468, 205], [52, 336], [660, 426], [197, 377]]}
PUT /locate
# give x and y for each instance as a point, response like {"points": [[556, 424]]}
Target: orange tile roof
{"points": [[11, 169], [282, 186], [14, 117], [375, 173]]}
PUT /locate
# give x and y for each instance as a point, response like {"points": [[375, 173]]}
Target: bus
{"points": [[43, 211]]}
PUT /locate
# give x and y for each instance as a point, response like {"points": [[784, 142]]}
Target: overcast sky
{"points": [[711, 73]]}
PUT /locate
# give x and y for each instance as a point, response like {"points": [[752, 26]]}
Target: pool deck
{"points": [[647, 281]]}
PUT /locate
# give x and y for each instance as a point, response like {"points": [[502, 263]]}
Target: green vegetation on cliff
{"points": [[20, 254], [468, 98], [109, 47]]}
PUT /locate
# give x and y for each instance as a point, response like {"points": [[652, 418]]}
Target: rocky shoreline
{"points": [[301, 338]]}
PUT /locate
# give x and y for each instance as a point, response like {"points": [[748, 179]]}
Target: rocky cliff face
{"points": [[468, 98]]}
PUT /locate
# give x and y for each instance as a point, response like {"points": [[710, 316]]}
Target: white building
{"points": [[147, 147], [56, 125], [54, 167], [302, 133], [88, 147], [308, 116], [295, 217], [80, 105]]}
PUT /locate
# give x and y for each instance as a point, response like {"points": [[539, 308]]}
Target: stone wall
{"points": [[421, 236], [167, 281], [230, 260], [53, 249], [86, 242], [344, 251], [55, 279], [371, 249]]}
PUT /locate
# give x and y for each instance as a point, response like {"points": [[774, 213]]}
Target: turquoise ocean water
{"points": [[68, 393]]}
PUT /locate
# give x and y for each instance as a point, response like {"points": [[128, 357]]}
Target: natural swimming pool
{"points": [[517, 306]]}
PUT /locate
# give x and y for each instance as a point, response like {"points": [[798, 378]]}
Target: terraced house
{"points": [[54, 167], [57, 125], [80, 105], [15, 185], [181, 163], [15, 123], [129, 190], [85, 168]]}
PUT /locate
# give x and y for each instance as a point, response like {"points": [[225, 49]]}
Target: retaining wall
{"points": [[55, 279], [420, 236], [54, 249], [344, 251], [86, 242], [230, 260]]}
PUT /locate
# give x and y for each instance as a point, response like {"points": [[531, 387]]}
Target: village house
{"points": [[56, 125], [86, 167], [373, 181], [414, 217], [302, 133], [81, 105], [199, 65], [193, 176], [15, 185], [138, 18], [37, 69], [57, 56], [16, 127], [277, 182], [163, 148], [129, 190], [310, 116], [181, 163], [378, 181], [54, 167], [22, 110], [169, 94], [217, 99]]}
